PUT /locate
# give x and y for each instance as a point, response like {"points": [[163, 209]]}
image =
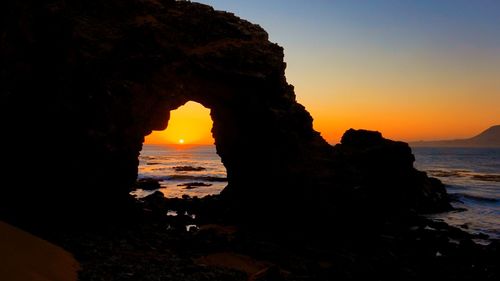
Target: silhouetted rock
{"points": [[191, 185], [82, 83], [156, 203], [157, 195], [414, 249], [363, 139], [383, 178], [188, 169], [148, 184], [90, 79]]}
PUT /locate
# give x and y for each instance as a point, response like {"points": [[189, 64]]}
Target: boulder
{"points": [[148, 184], [382, 178]]}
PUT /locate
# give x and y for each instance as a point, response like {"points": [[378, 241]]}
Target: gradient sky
{"points": [[190, 123], [414, 70]]}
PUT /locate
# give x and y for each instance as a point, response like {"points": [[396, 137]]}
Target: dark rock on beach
{"points": [[191, 185], [159, 246], [148, 184], [384, 178], [155, 202], [188, 169]]}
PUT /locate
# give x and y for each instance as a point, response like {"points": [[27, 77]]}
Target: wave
{"points": [[465, 173], [487, 177], [187, 178], [477, 198], [188, 168], [201, 178], [472, 179], [449, 173]]}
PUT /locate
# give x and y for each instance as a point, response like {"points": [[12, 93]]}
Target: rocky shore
{"points": [[94, 77], [197, 239]]}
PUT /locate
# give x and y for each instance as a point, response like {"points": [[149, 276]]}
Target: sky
{"points": [[189, 124], [414, 70]]}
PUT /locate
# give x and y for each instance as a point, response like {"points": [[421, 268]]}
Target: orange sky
{"points": [[190, 123], [401, 110], [414, 70], [426, 97]]}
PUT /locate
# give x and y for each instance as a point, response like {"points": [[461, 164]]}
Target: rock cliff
{"points": [[82, 83]]}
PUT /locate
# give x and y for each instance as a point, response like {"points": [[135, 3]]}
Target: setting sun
{"points": [[190, 122]]}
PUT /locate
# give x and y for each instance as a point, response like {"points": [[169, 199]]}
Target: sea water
{"points": [[472, 178], [159, 162]]}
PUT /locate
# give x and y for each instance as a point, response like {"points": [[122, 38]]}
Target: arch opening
{"points": [[182, 159]]}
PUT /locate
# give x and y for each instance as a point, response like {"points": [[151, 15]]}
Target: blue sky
{"points": [[412, 69]]}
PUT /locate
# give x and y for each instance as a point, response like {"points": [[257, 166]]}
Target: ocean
{"points": [[178, 166], [471, 177]]}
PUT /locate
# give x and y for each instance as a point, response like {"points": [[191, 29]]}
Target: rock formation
{"points": [[384, 177], [82, 83]]}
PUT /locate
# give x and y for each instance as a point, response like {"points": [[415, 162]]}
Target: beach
{"points": [[25, 257]]}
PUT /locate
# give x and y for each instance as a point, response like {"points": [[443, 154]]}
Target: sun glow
{"points": [[189, 124]]}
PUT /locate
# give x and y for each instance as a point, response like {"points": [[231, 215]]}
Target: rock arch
{"points": [[98, 77], [82, 83], [263, 136]]}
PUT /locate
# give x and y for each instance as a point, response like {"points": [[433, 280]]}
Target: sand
{"points": [[25, 257]]}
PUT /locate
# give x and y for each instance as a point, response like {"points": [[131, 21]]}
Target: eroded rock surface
{"points": [[82, 83], [384, 177]]}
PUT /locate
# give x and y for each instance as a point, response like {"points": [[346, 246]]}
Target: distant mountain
{"points": [[488, 138]]}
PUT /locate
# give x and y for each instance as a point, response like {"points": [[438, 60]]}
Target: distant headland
{"points": [[488, 138]]}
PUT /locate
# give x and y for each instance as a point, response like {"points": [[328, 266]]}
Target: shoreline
{"points": [[214, 245]]}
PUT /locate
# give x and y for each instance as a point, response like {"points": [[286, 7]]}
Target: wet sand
{"points": [[25, 257]]}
